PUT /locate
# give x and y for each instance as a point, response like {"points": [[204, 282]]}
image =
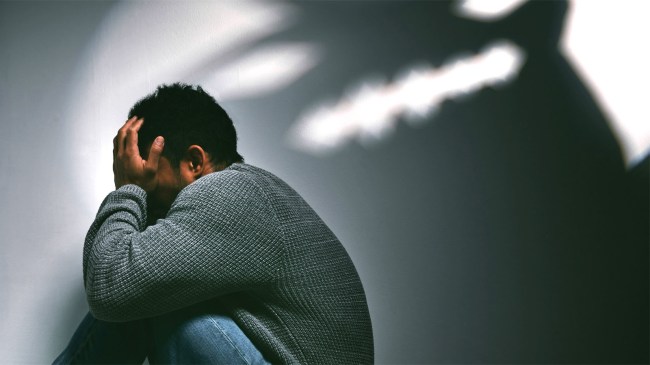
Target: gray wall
{"points": [[503, 228]]}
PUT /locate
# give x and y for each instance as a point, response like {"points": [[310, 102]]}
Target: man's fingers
{"points": [[131, 144], [128, 165], [119, 143], [137, 124], [121, 137], [127, 125], [151, 166], [132, 137], [130, 121]]}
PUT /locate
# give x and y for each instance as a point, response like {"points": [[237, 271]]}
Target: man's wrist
{"points": [[131, 187]]}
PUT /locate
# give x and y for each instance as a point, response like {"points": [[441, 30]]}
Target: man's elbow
{"points": [[106, 306]]}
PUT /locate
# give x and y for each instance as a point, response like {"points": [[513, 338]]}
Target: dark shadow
{"points": [[507, 226]]}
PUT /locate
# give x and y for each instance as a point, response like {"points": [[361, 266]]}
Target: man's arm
{"points": [[220, 236]]}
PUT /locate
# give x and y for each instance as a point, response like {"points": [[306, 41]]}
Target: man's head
{"points": [[199, 138], [186, 115]]}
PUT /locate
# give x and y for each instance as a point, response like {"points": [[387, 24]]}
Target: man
{"points": [[208, 259]]}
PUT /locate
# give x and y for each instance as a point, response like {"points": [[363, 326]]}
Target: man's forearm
{"points": [[214, 240], [108, 250]]}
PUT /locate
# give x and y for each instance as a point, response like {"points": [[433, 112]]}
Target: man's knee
{"points": [[200, 338]]}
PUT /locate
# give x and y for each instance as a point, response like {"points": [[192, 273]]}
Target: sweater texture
{"points": [[240, 239]]}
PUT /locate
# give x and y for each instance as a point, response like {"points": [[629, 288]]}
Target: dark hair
{"points": [[186, 115]]}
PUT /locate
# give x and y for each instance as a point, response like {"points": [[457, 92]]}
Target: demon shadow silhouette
{"points": [[506, 225]]}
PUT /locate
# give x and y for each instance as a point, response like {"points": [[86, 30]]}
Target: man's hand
{"points": [[128, 165]]}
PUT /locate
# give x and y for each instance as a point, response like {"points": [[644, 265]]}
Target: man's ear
{"points": [[197, 161]]}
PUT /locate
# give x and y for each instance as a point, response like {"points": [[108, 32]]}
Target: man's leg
{"points": [[99, 342], [191, 337], [187, 336]]}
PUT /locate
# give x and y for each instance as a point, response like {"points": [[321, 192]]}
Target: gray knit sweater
{"points": [[244, 237]]}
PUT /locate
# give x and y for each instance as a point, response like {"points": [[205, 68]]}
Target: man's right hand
{"points": [[128, 166]]}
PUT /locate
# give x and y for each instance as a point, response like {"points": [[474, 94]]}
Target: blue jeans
{"points": [[182, 337]]}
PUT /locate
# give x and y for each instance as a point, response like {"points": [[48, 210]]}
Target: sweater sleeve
{"points": [[220, 236]]}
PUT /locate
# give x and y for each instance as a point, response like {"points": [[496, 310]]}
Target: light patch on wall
{"points": [[371, 110], [613, 61], [483, 10], [140, 45], [263, 70]]}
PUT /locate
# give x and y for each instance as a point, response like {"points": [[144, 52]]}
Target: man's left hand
{"points": [[128, 165]]}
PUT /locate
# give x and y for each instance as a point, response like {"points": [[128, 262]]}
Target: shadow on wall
{"points": [[526, 238]]}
